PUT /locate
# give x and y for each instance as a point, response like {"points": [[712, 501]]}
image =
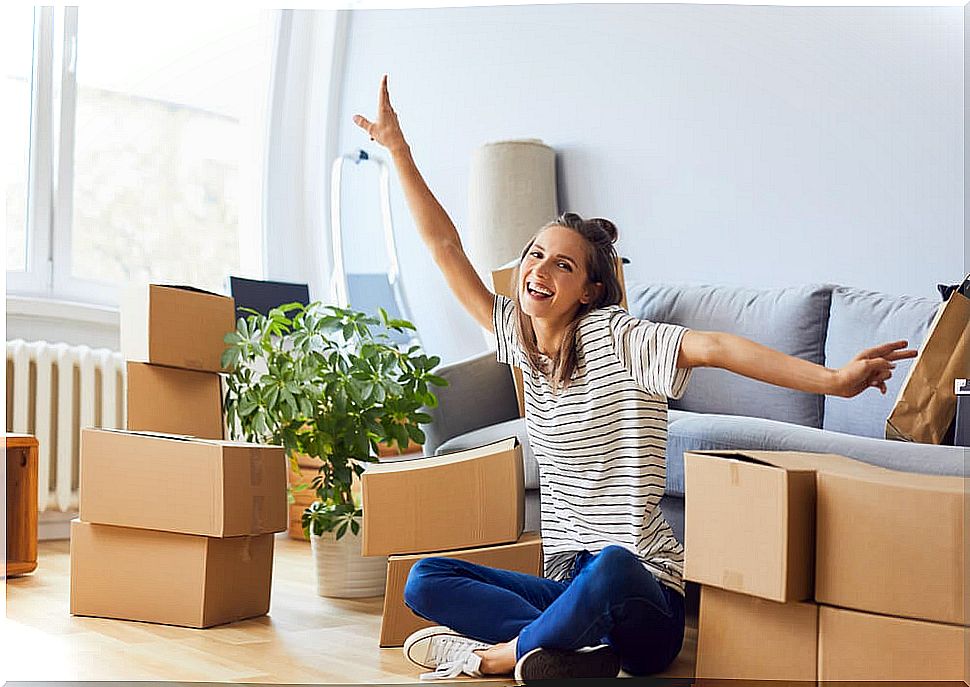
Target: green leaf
{"points": [[379, 393], [272, 393], [246, 406], [416, 434]]}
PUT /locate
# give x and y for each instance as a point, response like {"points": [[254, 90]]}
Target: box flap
{"points": [[776, 459], [154, 435], [403, 464], [186, 287], [949, 485], [528, 539]]}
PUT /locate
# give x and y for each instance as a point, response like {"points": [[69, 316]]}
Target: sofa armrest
{"points": [[480, 393]]}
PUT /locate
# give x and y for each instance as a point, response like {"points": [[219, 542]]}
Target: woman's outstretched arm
{"points": [[435, 227], [871, 367]]}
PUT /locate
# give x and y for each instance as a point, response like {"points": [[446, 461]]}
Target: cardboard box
{"points": [[862, 646], [182, 484], [398, 621], [750, 519], [178, 326], [744, 637], [750, 523], [502, 284], [161, 577], [175, 401], [893, 543], [460, 500]]}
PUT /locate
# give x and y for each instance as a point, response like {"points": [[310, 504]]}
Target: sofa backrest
{"points": [[792, 320], [862, 319]]}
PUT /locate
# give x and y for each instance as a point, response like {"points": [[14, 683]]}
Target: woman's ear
{"points": [[592, 292]]}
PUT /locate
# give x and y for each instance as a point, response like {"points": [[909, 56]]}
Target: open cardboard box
{"points": [[178, 326], [458, 500], [749, 522]]}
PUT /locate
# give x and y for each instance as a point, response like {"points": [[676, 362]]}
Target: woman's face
{"points": [[553, 280]]}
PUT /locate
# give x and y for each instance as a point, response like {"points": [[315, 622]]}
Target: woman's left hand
{"points": [[871, 367]]}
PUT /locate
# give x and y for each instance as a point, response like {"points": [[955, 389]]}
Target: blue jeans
{"points": [[609, 598]]}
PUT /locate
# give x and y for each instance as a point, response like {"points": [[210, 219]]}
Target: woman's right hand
{"points": [[386, 130]]}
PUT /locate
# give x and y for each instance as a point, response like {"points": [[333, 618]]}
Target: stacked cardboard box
{"points": [[172, 339], [467, 505], [816, 567], [176, 525]]}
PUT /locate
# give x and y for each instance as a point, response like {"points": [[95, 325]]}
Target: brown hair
{"points": [[600, 235]]}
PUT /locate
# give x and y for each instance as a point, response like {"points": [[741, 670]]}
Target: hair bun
{"points": [[595, 229], [606, 226]]}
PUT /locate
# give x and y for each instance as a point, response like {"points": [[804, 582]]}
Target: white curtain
{"points": [[305, 88]]}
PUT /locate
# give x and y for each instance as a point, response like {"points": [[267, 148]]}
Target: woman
{"points": [[596, 383]]}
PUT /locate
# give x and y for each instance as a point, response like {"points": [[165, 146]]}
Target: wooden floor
{"points": [[304, 639]]}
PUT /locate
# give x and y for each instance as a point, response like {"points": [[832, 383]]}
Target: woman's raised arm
{"points": [[435, 227]]}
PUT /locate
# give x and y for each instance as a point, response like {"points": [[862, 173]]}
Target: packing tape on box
{"points": [[255, 468], [259, 518], [255, 480], [247, 553]]}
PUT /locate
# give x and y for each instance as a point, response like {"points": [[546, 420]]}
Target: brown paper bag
{"points": [[926, 403]]}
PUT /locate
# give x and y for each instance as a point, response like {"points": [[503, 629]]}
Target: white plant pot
{"points": [[342, 572]]}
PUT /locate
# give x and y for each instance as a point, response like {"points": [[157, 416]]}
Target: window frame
{"points": [[35, 278], [50, 186]]}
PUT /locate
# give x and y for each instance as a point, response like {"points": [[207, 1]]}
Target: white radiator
{"points": [[53, 390]]}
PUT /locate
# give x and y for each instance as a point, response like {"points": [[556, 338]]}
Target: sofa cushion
{"points": [[497, 432], [862, 319], [792, 320], [696, 432]]}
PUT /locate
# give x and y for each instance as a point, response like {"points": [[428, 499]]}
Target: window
{"points": [[16, 40], [157, 118]]}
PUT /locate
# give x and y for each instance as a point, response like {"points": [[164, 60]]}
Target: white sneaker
{"points": [[447, 652]]}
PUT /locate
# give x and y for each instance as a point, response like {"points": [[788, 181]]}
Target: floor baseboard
{"points": [[52, 525]]}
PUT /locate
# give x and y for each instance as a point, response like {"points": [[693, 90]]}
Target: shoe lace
{"points": [[454, 655]]}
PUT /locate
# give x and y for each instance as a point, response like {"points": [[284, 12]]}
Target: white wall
{"points": [[731, 144]]}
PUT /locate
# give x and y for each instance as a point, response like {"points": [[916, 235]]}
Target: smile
{"points": [[537, 291]]}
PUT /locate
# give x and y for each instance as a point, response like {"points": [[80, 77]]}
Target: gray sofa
{"points": [[823, 323]]}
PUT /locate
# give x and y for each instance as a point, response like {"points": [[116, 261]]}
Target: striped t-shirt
{"points": [[601, 442]]}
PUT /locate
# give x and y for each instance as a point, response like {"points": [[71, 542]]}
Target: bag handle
{"points": [[947, 290]]}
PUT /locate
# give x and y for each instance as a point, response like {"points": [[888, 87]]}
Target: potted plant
{"points": [[327, 382]]}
